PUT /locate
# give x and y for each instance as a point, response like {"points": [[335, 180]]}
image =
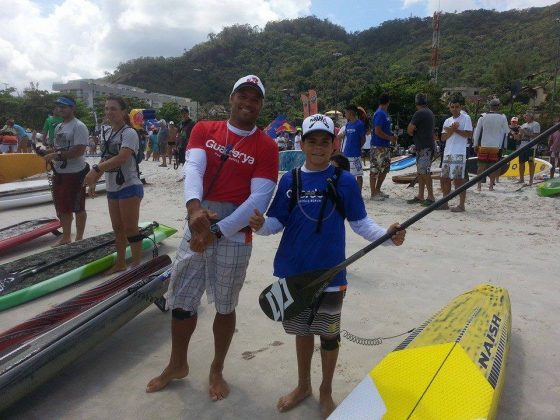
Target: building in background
{"points": [[87, 89]]}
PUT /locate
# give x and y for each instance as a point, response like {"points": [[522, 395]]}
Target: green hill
{"points": [[481, 48]]}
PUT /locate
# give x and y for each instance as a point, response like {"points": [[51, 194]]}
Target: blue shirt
{"points": [[301, 247], [355, 131], [21, 133], [381, 119]]}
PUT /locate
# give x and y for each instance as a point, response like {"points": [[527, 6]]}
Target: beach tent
{"points": [[286, 127], [270, 129]]}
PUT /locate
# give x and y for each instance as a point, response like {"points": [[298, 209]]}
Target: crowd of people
{"points": [[232, 191], [488, 141]]}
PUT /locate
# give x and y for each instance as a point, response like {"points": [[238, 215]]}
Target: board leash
{"points": [[369, 341]]}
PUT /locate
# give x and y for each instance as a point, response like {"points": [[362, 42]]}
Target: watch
{"points": [[96, 168], [215, 229]]}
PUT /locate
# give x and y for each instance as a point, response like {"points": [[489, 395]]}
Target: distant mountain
{"points": [[481, 48]]}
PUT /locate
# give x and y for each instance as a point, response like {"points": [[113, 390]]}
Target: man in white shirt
{"points": [[490, 136], [297, 140], [456, 130], [528, 132]]}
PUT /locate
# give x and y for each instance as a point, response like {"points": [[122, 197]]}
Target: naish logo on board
{"points": [[235, 154], [490, 341]]}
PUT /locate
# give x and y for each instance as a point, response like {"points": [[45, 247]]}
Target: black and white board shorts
{"points": [[326, 321]]}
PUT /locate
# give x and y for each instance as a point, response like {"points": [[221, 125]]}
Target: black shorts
{"points": [[527, 156]]}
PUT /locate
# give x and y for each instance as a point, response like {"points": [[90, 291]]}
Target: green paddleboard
{"points": [[95, 263], [549, 188]]}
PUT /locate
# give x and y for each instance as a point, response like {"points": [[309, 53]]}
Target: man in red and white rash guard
{"points": [[231, 170]]}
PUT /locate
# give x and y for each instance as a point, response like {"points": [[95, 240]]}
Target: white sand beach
{"points": [[506, 238]]}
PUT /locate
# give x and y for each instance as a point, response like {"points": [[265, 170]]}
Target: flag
{"points": [[305, 102], [313, 107]]}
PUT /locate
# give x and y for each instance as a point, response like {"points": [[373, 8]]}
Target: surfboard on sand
{"points": [[22, 232], [450, 367], [15, 166], [541, 167]]}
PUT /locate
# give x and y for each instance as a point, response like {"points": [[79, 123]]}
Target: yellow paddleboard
{"points": [[450, 367], [17, 166], [541, 167]]}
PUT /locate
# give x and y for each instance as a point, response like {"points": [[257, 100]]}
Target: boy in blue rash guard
{"points": [[312, 219]]}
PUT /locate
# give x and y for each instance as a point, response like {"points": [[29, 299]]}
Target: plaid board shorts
{"points": [[453, 167], [69, 192], [220, 270], [424, 161], [326, 321], [356, 166], [380, 158]]}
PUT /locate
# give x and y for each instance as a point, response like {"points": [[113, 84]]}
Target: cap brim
{"points": [[317, 130], [251, 85]]}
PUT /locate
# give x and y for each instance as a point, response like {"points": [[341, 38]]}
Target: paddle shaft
{"points": [[20, 275], [336, 269]]}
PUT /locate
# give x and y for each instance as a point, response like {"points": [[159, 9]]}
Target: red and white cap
{"points": [[317, 122], [251, 81]]}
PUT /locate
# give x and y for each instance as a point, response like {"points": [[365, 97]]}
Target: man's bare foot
{"points": [[115, 269], [490, 188], [326, 405], [168, 374], [218, 388], [457, 209], [81, 238], [294, 398], [61, 242]]}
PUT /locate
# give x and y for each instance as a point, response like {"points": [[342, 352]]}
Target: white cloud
{"points": [[56, 40], [68, 39], [454, 5]]}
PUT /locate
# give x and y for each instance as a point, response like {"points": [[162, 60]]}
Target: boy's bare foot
{"points": [[218, 388], [115, 269], [326, 405], [168, 374], [294, 398]]}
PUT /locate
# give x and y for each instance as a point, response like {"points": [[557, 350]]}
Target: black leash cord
{"points": [[369, 341]]}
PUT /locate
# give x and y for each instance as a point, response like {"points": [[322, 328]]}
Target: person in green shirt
{"points": [[48, 128]]}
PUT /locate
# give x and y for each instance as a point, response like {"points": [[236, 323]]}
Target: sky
{"points": [[46, 41]]}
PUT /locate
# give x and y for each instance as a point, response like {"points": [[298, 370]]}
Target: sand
{"points": [[505, 237]]}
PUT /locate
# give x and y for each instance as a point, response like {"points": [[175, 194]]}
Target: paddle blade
{"points": [[287, 298]]}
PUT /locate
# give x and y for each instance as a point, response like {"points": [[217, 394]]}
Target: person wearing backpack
{"points": [[310, 206], [119, 163]]}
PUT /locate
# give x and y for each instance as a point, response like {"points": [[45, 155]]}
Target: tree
{"points": [[170, 111]]}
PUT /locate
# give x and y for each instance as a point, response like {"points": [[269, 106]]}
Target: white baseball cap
{"points": [[317, 122], [250, 80]]}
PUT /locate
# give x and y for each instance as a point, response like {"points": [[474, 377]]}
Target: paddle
{"points": [[288, 297], [17, 276]]}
